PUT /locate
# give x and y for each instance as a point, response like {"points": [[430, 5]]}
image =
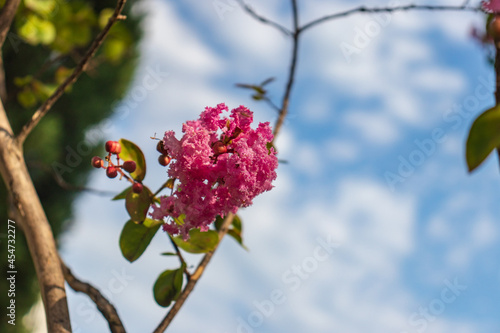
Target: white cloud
{"points": [[375, 128]]}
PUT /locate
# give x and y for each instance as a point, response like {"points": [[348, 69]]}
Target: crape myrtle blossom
{"points": [[221, 164], [492, 6]]}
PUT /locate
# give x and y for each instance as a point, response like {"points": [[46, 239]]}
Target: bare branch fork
{"points": [[297, 31]]}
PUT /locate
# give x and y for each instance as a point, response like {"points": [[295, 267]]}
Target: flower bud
{"points": [[494, 28], [219, 148], [97, 162], [137, 188], [160, 147], [111, 171], [164, 160], [113, 147], [129, 166]]}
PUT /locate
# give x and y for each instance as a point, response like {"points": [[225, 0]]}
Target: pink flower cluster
{"points": [[492, 6], [221, 164]]}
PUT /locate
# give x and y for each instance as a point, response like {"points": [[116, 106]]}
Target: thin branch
{"points": [[264, 20], [271, 104], [181, 258], [497, 81], [363, 9], [80, 68], [291, 75], [64, 184], [103, 305], [7, 14], [194, 278]]}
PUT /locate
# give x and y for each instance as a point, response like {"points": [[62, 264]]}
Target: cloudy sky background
{"points": [[350, 122]]}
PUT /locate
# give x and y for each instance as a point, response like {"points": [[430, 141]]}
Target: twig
{"points": [[497, 81], [291, 75], [103, 305], [64, 184], [181, 258], [271, 104], [194, 278], [80, 68], [363, 9], [264, 20], [48, 64], [6, 16]]}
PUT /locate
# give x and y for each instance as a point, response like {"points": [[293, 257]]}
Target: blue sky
{"points": [[428, 242]]}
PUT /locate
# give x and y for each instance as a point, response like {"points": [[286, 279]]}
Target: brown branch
{"points": [[64, 184], [6, 16], [194, 278], [291, 76], [264, 20], [80, 68], [103, 305], [181, 258], [497, 81], [41, 242], [363, 9]]}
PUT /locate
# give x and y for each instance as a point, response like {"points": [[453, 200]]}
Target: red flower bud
{"points": [[97, 162], [113, 147], [219, 148], [129, 166], [137, 188], [111, 171], [164, 160], [160, 147], [494, 28]]}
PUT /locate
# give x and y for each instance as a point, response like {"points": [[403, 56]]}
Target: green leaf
{"points": [[123, 194], [237, 236], [135, 238], [43, 90], [36, 30], [484, 137], [168, 254], [235, 230], [104, 16], [22, 81], [114, 49], [27, 97], [130, 151], [42, 7], [137, 204], [198, 242], [168, 286]]}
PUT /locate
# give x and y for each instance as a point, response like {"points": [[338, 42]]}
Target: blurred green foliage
{"points": [[46, 41]]}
